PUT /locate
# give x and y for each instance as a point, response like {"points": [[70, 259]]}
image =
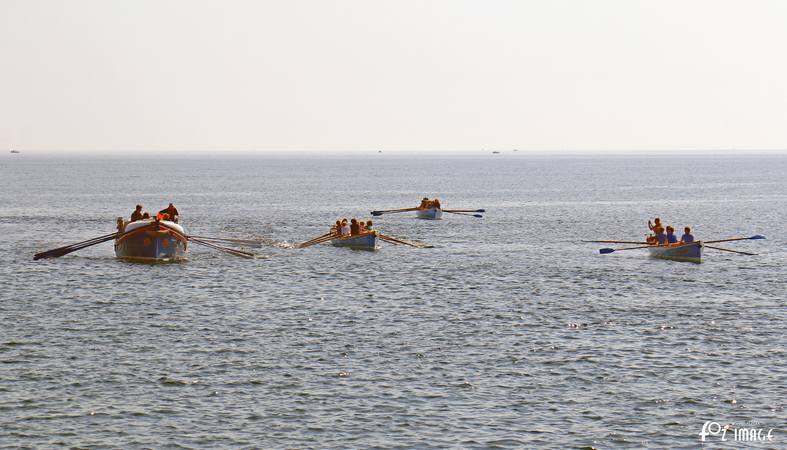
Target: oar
{"points": [[231, 251], [391, 211], [616, 242], [394, 240], [66, 249], [316, 241], [231, 241], [463, 214], [60, 251], [732, 251], [465, 210], [604, 251], [734, 239]]}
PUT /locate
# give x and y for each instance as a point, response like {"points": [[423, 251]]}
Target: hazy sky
{"points": [[393, 75]]}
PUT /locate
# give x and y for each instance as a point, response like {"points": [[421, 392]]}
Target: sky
{"points": [[408, 75]]}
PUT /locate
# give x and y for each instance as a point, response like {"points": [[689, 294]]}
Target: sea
{"points": [[511, 331]]}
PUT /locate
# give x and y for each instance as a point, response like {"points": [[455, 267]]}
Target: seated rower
{"points": [[652, 226], [337, 227], [436, 203], [369, 225], [145, 215], [345, 229], [137, 214], [424, 203], [661, 238], [354, 228], [361, 227], [671, 238], [687, 237]]}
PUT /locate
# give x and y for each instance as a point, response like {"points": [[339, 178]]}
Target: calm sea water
{"points": [[509, 333]]}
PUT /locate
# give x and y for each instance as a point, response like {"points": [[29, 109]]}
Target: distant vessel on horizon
{"points": [[15, 151], [495, 153]]}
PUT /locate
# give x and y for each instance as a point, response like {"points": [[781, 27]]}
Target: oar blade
{"points": [[757, 236], [478, 215], [377, 213], [604, 251]]}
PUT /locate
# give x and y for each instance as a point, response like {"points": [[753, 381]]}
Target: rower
{"points": [[653, 226], [137, 214], [671, 238], [436, 203], [345, 229], [354, 228], [172, 212], [369, 225], [424, 203], [687, 237]]}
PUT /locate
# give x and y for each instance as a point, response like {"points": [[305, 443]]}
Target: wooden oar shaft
{"points": [[401, 241], [733, 239], [604, 251], [317, 241], [463, 214], [465, 210], [616, 242], [731, 251], [66, 249], [239, 241], [222, 249]]}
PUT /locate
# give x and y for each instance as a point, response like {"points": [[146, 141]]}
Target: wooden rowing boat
{"points": [[364, 241], [429, 213], [678, 252], [151, 240]]}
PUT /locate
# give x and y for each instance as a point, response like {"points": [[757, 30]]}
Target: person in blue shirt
{"points": [[687, 237], [671, 238]]}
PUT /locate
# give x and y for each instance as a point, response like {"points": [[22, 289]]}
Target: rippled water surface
{"points": [[509, 333]]}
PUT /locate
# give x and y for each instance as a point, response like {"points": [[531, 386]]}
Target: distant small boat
{"points": [[15, 151], [495, 153], [681, 252], [365, 241], [151, 240], [429, 213]]}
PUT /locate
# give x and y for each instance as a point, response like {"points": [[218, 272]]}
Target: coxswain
{"points": [[137, 214], [661, 238], [172, 212]]}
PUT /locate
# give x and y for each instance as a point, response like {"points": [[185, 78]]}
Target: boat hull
{"points": [[682, 252], [429, 214], [366, 241], [152, 241]]}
